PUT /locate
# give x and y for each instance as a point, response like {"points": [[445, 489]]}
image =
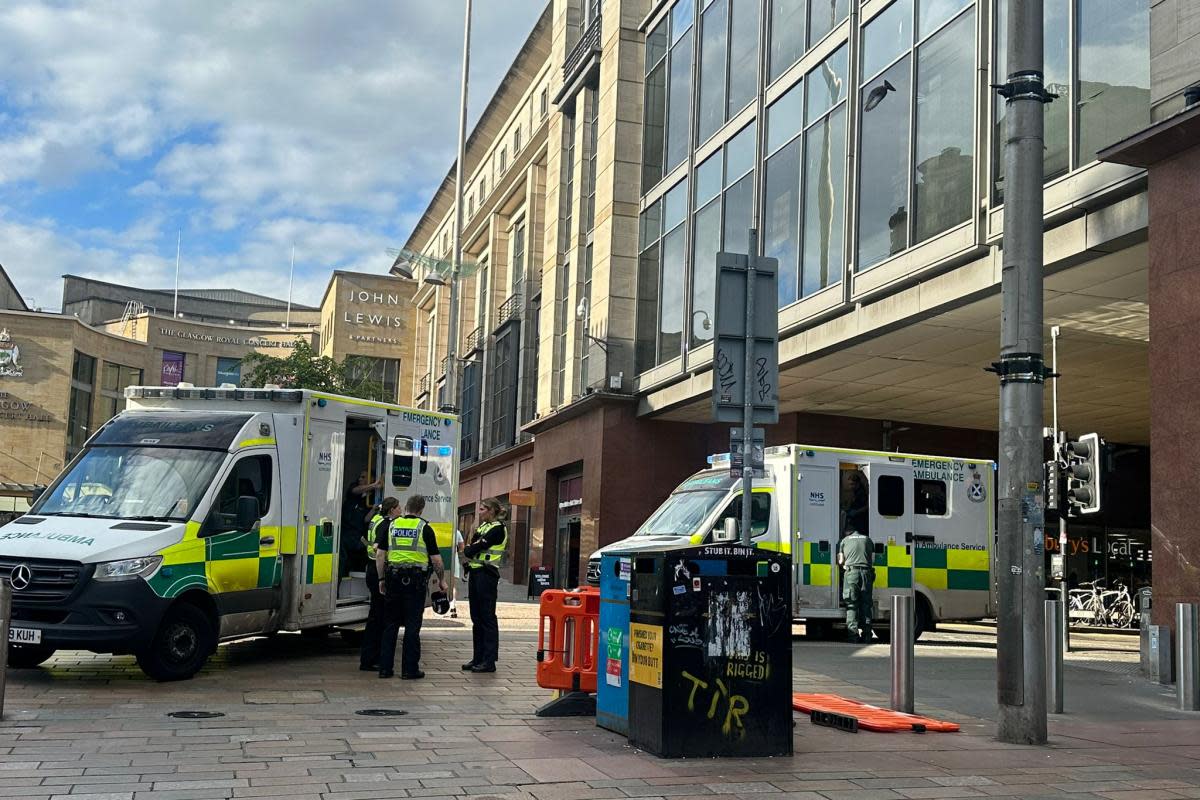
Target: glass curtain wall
{"points": [[1097, 62], [725, 205], [917, 103], [804, 195]]}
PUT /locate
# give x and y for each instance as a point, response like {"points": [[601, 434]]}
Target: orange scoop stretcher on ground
{"points": [[838, 712]]}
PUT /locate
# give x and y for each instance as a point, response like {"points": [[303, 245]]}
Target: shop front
{"points": [[509, 479]]}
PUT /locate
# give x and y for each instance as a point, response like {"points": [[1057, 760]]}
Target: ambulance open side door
{"points": [[815, 546], [322, 519], [891, 525]]}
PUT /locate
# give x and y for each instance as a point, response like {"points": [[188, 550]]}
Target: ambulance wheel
{"points": [[28, 656], [925, 621], [184, 641]]}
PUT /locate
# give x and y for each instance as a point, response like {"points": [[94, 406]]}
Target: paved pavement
{"points": [[92, 728]]}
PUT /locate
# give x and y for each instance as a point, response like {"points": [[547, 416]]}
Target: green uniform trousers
{"points": [[856, 591]]}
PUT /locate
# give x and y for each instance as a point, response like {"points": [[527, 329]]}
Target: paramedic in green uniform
{"points": [[856, 555]]}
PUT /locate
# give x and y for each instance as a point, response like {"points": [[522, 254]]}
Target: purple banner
{"points": [[172, 368]]}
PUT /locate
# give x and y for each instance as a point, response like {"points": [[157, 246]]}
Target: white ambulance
{"points": [[201, 515], [930, 518]]}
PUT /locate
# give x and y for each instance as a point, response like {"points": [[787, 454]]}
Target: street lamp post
{"points": [[451, 404]]}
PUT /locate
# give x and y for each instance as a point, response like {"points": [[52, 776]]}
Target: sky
{"points": [[240, 128]]}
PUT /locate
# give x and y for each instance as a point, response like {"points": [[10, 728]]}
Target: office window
{"points": [[679, 101], [1114, 72], [649, 233], [903, 200], [787, 34], [654, 114], [714, 46], [544, 102], [503, 157], [79, 411], [518, 257], [503, 374], [672, 294], [805, 188], [743, 54], [1110, 96], [517, 140], [824, 17], [113, 381]]}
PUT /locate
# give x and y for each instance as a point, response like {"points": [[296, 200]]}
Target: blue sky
{"points": [[246, 127]]}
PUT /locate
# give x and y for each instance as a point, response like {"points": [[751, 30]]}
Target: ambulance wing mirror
{"points": [[247, 512], [728, 531]]}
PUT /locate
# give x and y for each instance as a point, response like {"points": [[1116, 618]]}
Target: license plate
{"points": [[24, 636]]}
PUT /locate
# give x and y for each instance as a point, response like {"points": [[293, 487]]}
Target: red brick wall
{"points": [[1174, 381]]}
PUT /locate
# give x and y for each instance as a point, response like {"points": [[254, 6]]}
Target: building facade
{"points": [[863, 143], [61, 377]]}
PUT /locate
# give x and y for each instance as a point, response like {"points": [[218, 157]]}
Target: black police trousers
{"points": [[368, 656], [403, 604], [483, 583]]}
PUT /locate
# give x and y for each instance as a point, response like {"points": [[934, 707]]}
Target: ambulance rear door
{"points": [[815, 545], [891, 527]]}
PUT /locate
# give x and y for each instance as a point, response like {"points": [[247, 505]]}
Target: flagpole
{"points": [[178, 241], [287, 323]]}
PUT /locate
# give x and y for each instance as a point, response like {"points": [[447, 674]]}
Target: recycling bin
{"points": [[612, 680], [710, 652]]}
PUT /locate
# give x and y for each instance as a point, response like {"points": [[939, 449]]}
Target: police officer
{"points": [[385, 514], [403, 556], [856, 555], [482, 555]]}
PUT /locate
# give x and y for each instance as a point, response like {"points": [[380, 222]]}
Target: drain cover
{"points": [[381, 712], [195, 714]]}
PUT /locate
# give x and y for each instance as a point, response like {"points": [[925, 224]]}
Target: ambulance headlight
{"points": [[127, 570]]}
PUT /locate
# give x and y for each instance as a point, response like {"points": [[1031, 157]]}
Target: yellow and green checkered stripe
{"points": [[318, 562], [936, 568], [218, 563], [816, 565]]}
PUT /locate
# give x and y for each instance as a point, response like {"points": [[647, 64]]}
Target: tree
{"points": [[353, 376]]}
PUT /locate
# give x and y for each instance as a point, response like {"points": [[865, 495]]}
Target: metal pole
{"points": [[1064, 591], [178, 244], [1020, 635], [5, 614], [747, 395], [1054, 664], [451, 404], [1187, 636], [902, 653]]}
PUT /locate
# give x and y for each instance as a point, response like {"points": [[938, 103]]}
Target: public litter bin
{"points": [[612, 680], [710, 652]]}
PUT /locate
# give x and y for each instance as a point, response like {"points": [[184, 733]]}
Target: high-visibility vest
{"points": [[375, 520], [406, 547], [492, 555]]}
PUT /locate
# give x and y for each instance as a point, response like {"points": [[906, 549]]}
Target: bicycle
{"points": [[1119, 610], [1087, 604]]}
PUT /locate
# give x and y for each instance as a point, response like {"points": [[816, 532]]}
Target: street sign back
{"points": [[729, 346]]}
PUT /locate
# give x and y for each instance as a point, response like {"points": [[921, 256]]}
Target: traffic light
{"points": [[1083, 473]]}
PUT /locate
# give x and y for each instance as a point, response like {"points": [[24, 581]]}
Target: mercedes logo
{"points": [[20, 577]]}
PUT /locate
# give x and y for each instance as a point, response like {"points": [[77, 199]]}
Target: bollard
{"points": [[902, 653], [5, 614], [1186, 635], [1054, 658]]}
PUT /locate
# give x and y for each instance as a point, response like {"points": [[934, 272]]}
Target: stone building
{"points": [[61, 377]]}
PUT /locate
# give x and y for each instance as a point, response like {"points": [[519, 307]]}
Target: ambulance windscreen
{"points": [[172, 429]]}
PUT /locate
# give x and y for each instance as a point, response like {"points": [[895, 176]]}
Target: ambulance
{"points": [[931, 520], [199, 515]]}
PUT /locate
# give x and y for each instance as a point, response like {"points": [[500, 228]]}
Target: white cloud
{"points": [[260, 122]]}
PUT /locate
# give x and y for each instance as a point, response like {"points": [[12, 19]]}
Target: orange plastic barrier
{"points": [[568, 638], [871, 718]]}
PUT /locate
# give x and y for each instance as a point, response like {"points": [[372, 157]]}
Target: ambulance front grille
{"points": [[42, 580]]}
